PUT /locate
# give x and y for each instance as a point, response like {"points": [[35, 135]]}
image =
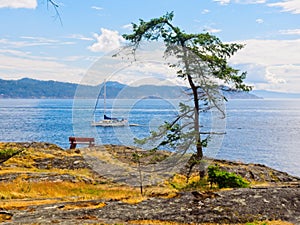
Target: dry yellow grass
{"points": [[5, 217], [25, 203], [25, 159], [157, 222], [77, 172], [179, 182], [24, 163], [22, 189], [86, 205], [160, 222]]}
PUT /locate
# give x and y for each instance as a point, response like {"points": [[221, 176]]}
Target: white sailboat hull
{"points": [[110, 123]]}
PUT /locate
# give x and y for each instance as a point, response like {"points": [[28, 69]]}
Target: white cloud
{"points": [[20, 44], [292, 6], [259, 21], [107, 41], [127, 26], [269, 52], [272, 78], [14, 52], [226, 2], [212, 30], [147, 67], [29, 4], [39, 39], [222, 2], [32, 41], [146, 73], [283, 78], [13, 67], [290, 32], [96, 7], [205, 11], [250, 1], [25, 55], [271, 64], [79, 37]]}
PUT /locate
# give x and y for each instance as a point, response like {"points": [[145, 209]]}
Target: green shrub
{"points": [[225, 179], [7, 153]]}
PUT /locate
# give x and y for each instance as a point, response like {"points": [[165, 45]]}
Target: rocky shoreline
{"points": [[275, 197], [235, 206]]}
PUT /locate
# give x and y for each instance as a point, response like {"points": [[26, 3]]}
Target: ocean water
{"points": [[257, 131]]}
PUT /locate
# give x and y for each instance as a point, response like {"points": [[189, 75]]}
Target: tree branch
{"points": [[55, 6]]}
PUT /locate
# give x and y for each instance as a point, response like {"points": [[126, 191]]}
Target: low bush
{"points": [[6, 154], [225, 179]]}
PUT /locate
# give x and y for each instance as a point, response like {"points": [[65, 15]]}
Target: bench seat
{"points": [[81, 140]]}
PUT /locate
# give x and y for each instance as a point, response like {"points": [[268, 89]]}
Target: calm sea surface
{"points": [[258, 131]]}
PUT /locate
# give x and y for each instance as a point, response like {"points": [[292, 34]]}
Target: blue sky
{"points": [[33, 42]]}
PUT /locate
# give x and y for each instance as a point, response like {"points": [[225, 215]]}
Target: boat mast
{"points": [[104, 96]]}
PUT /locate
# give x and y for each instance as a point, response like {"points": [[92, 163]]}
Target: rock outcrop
{"points": [[277, 197]]}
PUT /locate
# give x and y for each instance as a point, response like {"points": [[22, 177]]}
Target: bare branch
{"points": [[55, 7]]}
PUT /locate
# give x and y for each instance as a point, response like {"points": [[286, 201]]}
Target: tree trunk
{"points": [[199, 150], [196, 158]]}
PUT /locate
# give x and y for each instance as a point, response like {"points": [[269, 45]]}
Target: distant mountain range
{"points": [[273, 94], [30, 88]]}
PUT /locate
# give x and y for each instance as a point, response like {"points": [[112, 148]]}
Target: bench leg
{"points": [[73, 145]]}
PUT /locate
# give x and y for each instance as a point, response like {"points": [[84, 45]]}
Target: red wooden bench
{"points": [[81, 140]]}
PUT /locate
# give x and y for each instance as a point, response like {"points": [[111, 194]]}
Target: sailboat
{"points": [[108, 121]]}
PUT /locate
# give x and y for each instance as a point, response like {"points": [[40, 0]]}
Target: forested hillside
{"points": [[30, 88]]}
